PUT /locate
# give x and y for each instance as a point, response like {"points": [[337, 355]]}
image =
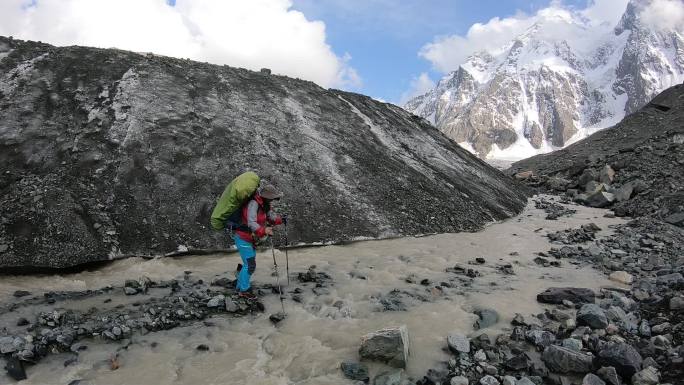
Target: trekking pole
{"points": [[275, 265], [287, 259]]}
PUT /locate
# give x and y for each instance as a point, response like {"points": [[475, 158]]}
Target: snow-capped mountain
{"points": [[562, 79]]}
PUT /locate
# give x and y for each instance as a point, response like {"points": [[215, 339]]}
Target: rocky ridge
{"points": [[636, 167], [108, 153]]}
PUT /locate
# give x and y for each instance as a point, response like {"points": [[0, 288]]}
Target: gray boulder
{"points": [[489, 380], [556, 295], [648, 376], [609, 375], [563, 360], [458, 343], [459, 380], [217, 301], [540, 338], [486, 318], [677, 304], [623, 357], [592, 379], [390, 345], [588, 175], [600, 199], [558, 184], [572, 343], [355, 371], [388, 378], [593, 187], [525, 381], [624, 193], [593, 316], [607, 174]]}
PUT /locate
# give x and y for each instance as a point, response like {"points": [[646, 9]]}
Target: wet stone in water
{"points": [[487, 318], [21, 293], [355, 371], [390, 346]]}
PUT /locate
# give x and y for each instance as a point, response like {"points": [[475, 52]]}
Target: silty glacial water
{"points": [[325, 328]]}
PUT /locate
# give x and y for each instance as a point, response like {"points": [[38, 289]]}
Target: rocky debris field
{"points": [[108, 153], [631, 334], [636, 168], [138, 307]]}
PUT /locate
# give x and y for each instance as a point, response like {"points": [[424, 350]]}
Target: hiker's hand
{"points": [[268, 231]]}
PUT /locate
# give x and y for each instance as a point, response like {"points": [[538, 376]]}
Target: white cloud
{"points": [[419, 86], [446, 53], [605, 11], [664, 14], [251, 34]]}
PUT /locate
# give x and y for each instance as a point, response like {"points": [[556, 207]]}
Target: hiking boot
{"points": [[247, 295]]}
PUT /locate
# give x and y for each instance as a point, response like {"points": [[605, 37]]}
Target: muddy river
{"points": [[325, 328]]}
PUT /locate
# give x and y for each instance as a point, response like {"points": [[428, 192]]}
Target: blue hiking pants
{"points": [[248, 255]]}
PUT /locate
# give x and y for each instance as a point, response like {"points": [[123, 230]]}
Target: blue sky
{"points": [[384, 37]]}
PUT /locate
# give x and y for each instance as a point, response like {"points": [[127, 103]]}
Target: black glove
{"points": [[284, 219]]}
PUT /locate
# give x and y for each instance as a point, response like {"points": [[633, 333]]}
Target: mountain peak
{"points": [[561, 79]]}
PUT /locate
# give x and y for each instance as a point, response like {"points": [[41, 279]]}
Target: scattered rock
{"points": [[622, 277], [15, 369], [22, 321], [593, 316], [459, 380], [458, 342], [573, 344], [540, 338], [518, 362], [388, 378], [648, 376], [355, 371], [277, 317], [564, 360], [600, 199], [390, 345], [609, 375], [525, 381], [216, 301], [130, 291], [489, 380], [556, 295], [202, 347], [223, 282], [677, 304], [487, 318], [21, 293], [623, 357], [592, 379], [606, 175]]}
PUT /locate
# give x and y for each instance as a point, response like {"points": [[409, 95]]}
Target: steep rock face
{"points": [[106, 153], [539, 92]]}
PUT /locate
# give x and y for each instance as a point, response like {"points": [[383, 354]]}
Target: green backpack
{"points": [[237, 193]]}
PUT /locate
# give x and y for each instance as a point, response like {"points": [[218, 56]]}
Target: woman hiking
{"points": [[256, 224]]}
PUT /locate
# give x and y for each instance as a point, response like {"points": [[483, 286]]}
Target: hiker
{"points": [[256, 224]]}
